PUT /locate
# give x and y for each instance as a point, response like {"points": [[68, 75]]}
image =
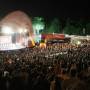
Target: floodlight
{"points": [[25, 30], [20, 30], [7, 30]]}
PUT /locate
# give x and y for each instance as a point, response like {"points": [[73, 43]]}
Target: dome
{"points": [[16, 28], [17, 20]]}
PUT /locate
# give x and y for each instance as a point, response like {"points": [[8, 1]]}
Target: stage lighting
{"points": [[7, 30], [15, 29], [25, 30]]}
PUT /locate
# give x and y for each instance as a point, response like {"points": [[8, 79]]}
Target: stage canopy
{"points": [[15, 31]]}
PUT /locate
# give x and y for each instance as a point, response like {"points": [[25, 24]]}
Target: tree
{"points": [[88, 28], [38, 25], [73, 27], [54, 26]]}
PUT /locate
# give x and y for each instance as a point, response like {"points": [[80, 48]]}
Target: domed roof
{"points": [[17, 20]]}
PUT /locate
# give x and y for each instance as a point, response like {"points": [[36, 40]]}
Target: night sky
{"points": [[48, 8]]}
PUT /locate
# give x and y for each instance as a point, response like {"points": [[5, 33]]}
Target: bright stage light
{"points": [[25, 30], [7, 30], [20, 30]]}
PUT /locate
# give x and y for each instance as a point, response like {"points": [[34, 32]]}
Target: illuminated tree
{"points": [[38, 25]]}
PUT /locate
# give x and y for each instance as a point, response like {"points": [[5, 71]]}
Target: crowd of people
{"points": [[59, 66]]}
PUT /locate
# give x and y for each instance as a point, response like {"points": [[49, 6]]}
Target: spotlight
{"points": [[7, 30]]}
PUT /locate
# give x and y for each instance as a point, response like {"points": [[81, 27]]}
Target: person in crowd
{"points": [[58, 66]]}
